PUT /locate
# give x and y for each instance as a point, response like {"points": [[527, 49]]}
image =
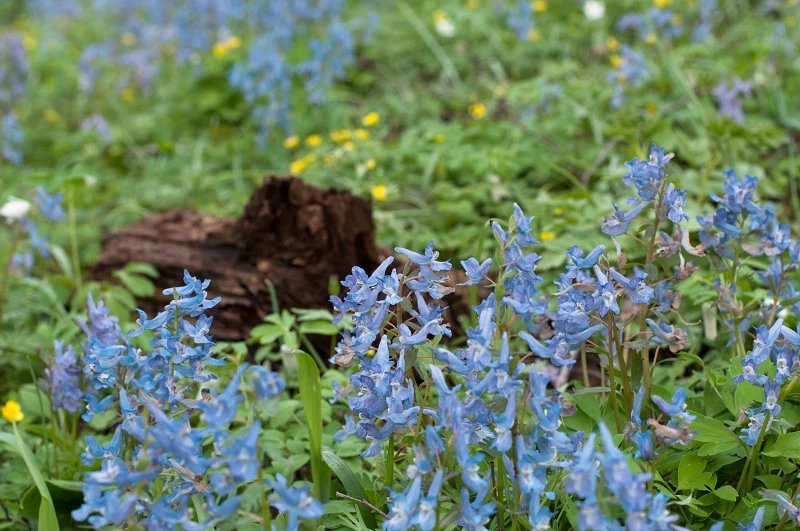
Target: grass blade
{"points": [[351, 485], [311, 396]]}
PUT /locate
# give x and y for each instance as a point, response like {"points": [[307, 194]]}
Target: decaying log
{"points": [[291, 233]]}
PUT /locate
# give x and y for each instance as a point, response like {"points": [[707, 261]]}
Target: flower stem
{"points": [[388, 479]]}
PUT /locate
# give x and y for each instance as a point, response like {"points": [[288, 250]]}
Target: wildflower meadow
{"points": [[400, 265]]}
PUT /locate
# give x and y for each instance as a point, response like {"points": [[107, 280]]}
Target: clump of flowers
{"points": [[728, 94], [175, 436], [486, 426]]}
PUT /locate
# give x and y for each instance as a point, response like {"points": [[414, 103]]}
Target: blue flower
{"points": [[577, 260], [295, 503], [674, 201], [476, 271], [618, 222], [63, 378]]}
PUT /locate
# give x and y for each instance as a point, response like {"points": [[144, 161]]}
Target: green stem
{"points": [[500, 483], [388, 480], [746, 479], [73, 238], [612, 380], [4, 283]]}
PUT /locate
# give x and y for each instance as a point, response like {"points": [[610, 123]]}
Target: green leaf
{"points": [[48, 521], [717, 448], [351, 485], [690, 471], [141, 268], [138, 285], [711, 430], [266, 333], [322, 328], [727, 493], [787, 446], [48, 512], [311, 396]]}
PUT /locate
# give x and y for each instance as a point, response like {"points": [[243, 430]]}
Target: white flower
{"points": [[14, 209], [594, 10], [444, 26]]}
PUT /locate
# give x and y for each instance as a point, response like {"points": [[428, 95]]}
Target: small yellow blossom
{"points": [[349, 146], [300, 165], [29, 41], [370, 164], [12, 411], [51, 116], [379, 192], [313, 140], [224, 46], [439, 138], [128, 94], [612, 44], [370, 119], [534, 35], [547, 235], [477, 110], [341, 135], [539, 6], [790, 22], [615, 60], [661, 4], [128, 39], [361, 134], [291, 142], [651, 38], [651, 108], [558, 211], [472, 4]]}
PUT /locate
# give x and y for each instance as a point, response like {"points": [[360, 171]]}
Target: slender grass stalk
{"points": [[388, 475], [73, 238]]}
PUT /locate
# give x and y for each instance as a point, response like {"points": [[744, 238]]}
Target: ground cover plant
{"points": [[629, 354]]}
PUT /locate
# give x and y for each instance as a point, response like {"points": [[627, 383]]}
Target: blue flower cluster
{"points": [[630, 70], [13, 85], [147, 33], [156, 458], [728, 93], [476, 431]]}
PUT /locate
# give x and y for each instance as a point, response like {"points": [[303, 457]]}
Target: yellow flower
{"points": [[612, 44], [547, 235], [379, 192], [534, 35], [370, 119], [471, 4], [661, 4], [651, 108], [29, 41], [361, 134], [348, 146], [341, 135], [651, 38], [370, 164], [223, 47], [128, 39], [128, 94], [539, 6], [439, 138], [790, 22], [313, 140], [557, 211], [616, 60], [300, 165], [291, 142], [50, 116], [477, 110], [12, 411]]}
